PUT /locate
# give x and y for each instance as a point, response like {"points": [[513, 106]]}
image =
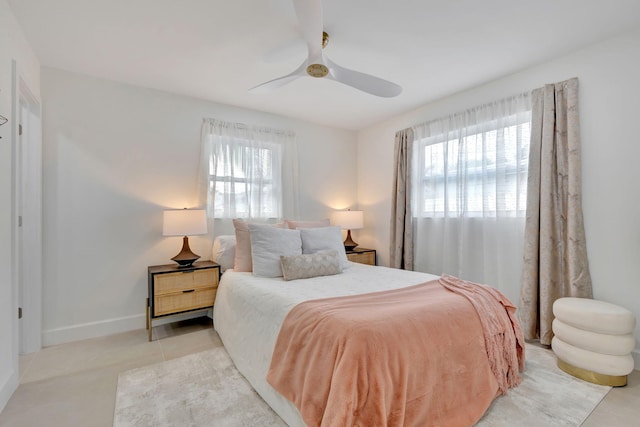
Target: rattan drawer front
{"points": [[363, 258], [205, 277], [179, 281], [172, 282], [184, 301]]}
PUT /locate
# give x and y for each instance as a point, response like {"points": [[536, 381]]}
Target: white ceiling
{"points": [[217, 49]]}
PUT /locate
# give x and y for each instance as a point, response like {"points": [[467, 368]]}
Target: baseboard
{"points": [[107, 327], [9, 384], [92, 329]]}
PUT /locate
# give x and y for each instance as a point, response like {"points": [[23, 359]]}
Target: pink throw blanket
{"points": [[503, 335], [416, 356]]}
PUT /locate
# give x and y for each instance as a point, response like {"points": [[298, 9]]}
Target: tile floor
{"points": [[74, 384]]}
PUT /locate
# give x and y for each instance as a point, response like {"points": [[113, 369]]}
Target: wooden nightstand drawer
{"points": [[180, 281], [184, 301], [362, 256]]}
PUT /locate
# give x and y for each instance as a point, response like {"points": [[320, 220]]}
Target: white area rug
{"points": [[546, 397], [205, 389], [202, 389]]}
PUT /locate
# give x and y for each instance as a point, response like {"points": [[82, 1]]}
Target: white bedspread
{"points": [[249, 311]]}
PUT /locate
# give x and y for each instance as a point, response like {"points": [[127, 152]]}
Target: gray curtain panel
{"points": [[401, 239], [555, 252]]}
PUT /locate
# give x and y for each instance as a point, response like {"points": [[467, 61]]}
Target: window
{"points": [[244, 170], [469, 193], [475, 172], [244, 175]]}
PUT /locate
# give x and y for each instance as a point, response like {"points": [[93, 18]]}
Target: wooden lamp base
{"points": [[349, 244], [185, 258]]}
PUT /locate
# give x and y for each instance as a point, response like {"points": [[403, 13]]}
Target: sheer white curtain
{"points": [[248, 171], [469, 188]]}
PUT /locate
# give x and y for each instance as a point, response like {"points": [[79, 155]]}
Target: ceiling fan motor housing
{"points": [[317, 70]]}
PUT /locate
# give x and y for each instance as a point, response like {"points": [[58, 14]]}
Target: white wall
{"points": [[609, 96], [114, 157], [13, 49]]}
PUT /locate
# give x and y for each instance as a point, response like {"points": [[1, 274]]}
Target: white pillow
{"points": [[324, 263], [224, 251], [324, 239], [268, 243]]}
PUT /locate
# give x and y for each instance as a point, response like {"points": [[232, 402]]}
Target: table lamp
{"points": [[349, 220], [184, 222]]}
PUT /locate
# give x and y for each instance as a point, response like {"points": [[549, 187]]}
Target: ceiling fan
{"points": [[318, 65]]}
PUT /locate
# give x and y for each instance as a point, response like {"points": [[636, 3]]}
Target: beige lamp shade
{"points": [[184, 222], [349, 220]]}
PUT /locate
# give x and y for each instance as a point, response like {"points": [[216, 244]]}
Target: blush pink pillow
{"points": [[243, 260]]}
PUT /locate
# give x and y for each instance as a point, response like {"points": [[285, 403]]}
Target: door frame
{"points": [[27, 244]]}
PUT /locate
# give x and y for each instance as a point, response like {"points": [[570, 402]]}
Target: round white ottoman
{"points": [[593, 340]]}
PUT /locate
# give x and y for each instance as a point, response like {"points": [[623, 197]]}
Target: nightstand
{"points": [[362, 255], [174, 289]]}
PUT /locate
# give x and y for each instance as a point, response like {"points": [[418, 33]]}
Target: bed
{"points": [[250, 311]]}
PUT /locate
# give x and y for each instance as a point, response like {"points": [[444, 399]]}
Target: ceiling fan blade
{"points": [[361, 81], [309, 14], [280, 81]]}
